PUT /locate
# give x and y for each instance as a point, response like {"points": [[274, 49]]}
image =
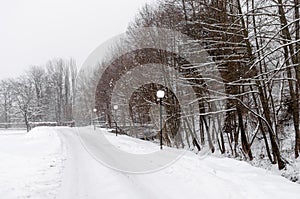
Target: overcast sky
{"points": [[34, 31]]}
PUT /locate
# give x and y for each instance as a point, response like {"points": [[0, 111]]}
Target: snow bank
{"points": [[130, 144]]}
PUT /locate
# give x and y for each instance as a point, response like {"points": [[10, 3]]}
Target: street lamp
{"points": [[160, 95], [94, 110], [116, 108]]}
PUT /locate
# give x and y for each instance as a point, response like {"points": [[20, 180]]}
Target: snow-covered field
{"points": [[54, 163], [31, 164]]}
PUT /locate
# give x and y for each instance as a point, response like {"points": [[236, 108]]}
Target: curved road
{"points": [[85, 177]]}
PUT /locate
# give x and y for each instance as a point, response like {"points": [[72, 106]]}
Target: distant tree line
{"points": [[42, 94]]}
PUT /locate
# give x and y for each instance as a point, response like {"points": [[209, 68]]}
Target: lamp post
{"points": [[116, 108], [160, 95], [94, 110]]}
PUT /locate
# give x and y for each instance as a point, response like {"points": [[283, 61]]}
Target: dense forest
{"points": [[255, 47]]}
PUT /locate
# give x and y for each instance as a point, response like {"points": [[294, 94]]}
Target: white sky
{"points": [[34, 31]]}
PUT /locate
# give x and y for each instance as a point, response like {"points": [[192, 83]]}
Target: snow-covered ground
{"points": [[31, 164], [63, 163], [286, 144]]}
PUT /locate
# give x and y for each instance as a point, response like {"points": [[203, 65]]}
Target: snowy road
{"points": [[50, 163], [85, 177], [189, 177]]}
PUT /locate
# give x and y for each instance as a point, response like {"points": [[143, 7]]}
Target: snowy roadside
{"points": [[286, 144], [132, 145], [31, 164]]}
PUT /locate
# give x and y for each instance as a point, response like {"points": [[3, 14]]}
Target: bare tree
{"points": [[23, 95]]}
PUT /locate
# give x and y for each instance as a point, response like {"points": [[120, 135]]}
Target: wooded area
{"points": [[255, 45]]}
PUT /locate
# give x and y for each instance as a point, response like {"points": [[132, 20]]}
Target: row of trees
{"points": [[256, 48], [43, 94]]}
